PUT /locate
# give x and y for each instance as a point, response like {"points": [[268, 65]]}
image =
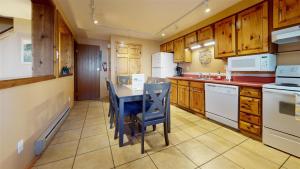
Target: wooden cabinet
{"points": [[253, 31], [197, 97], [190, 39], [183, 94], [250, 122], [170, 46], [173, 92], [286, 13], [163, 47], [205, 34], [225, 38], [179, 51]]}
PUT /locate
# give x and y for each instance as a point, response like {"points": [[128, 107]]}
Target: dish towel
{"points": [[297, 107]]}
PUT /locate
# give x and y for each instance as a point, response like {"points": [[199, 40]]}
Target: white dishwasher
{"points": [[221, 103]]}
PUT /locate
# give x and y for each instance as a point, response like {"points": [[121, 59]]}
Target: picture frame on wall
{"points": [[26, 51]]}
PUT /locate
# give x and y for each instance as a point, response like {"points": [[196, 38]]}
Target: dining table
{"points": [[125, 93]]}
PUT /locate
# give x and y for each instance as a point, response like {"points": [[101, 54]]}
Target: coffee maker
{"points": [[179, 70]]}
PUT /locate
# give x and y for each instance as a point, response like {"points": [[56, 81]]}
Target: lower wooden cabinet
{"points": [[197, 97], [250, 122], [173, 94], [183, 96]]}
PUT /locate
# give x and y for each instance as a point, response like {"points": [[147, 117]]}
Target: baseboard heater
{"points": [[42, 142]]}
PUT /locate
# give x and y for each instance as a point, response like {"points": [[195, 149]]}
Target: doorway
{"points": [[87, 72]]}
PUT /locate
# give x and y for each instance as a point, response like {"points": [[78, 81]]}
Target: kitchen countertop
{"points": [[221, 81]]}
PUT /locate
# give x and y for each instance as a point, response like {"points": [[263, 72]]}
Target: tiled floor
{"points": [[85, 141]]}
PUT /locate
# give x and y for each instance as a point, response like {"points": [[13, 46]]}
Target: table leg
{"points": [[169, 115], [121, 122]]}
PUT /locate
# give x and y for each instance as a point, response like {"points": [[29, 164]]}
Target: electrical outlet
{"points": [[20, 146]]}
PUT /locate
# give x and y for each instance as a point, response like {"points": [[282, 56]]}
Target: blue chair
{"points": [[130, 108], [155, 113]]}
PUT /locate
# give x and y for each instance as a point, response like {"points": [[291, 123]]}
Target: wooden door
{"points": [[225, 38], [179, 50], [252, 28], [87, 72], [197, 100], [183, 96], [173, 93], [286, 13]]}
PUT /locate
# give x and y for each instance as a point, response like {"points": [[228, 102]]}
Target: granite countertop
{"points": [[222, 81]]}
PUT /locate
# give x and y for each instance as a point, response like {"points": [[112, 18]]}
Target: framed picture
{"points": [[26, 52]]}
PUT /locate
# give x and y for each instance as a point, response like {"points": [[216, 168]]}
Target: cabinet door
{"points": [[197, 100], [134, 66], [190, 39], [134, 51], [122, 66], [163, 48], [173, 93], [252, 28], [286, 13], [170, 47], [250, 105], [179, 50], [183, 96], [122, 49], [225, 38], [205, 34]]}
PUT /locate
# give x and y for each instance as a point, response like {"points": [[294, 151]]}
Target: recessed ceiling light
{"points": [[163, 34], [95, 21], [207, 10]]}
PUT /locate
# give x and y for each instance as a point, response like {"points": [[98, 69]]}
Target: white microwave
{"points": [[260, 62]]}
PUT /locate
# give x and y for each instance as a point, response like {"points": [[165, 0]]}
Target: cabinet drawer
{"points": [[197, 85], [250, 105], [251, 92], [183, 82], [173, 81], [250, 118], [250, 127]]}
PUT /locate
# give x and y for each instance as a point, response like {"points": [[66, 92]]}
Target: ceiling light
{"points": [[163, 34], [196, 47], [207, 10], [95, 22], [209, 43]]}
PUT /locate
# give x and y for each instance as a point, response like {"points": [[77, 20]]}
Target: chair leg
{"points": [[116, 127], [109, 110], [166, 133], [154, 127], [111, 120], [142, 141]]}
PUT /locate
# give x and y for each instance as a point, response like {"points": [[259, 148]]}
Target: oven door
{"points": [[279, 111]]}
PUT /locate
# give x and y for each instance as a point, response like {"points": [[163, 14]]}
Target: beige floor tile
{"points": [[126, 153], [265, 151], [92, 143], [144, 163], [292, 163], [171, 158], [62, 164], [193, 131], [156, 142], [116, 141], [249, 160], [71, 125], [230, 135], [58, 152], [215, 142], [94, 130], [196, 151], [100, 159], [178, 136], [76, 117], [66, 136], [220, 163], [208, 125]]}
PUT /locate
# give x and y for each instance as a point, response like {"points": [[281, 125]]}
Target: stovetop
{"points": [[282, 86]]}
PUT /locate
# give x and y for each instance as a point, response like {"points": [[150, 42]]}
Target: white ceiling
{"points": [[136, 18], [16, 8]]}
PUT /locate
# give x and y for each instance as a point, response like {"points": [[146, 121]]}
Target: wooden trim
{"points": [[71, 74], [23, 81]]}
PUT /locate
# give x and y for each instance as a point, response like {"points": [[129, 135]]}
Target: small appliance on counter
{"points": [[179, 70], [281, 110]]}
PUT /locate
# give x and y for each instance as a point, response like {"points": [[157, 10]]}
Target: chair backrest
{"points": [[112, 95], [157, 80], [123, 80], [158, 94]]}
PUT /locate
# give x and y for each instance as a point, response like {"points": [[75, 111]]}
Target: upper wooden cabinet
{"points": [[163, 47], [252, 28], [179, 50], [286, 13], [190, 39], [170, 46], [225, 38], [205, 33]]}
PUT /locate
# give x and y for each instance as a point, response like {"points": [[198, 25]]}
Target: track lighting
{"points": [[207, 9]]}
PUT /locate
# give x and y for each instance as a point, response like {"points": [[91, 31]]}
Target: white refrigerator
{"points": [[163, 65]]}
